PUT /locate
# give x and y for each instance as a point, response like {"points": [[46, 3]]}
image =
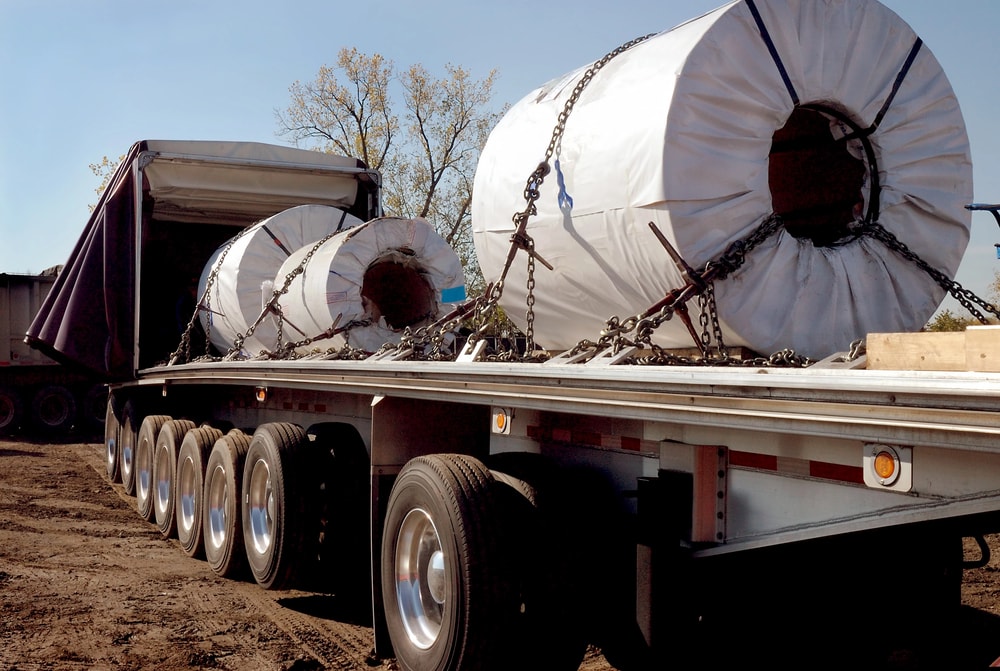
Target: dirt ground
{"points": [[85, 583]]}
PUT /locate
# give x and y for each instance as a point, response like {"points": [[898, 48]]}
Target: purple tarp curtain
{"points": [[86, 320]]}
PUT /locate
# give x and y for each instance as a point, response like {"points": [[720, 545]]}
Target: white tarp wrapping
{"points": [[678, 129], [244, 270], [375, 279]]}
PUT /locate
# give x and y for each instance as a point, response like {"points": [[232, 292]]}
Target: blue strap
{"points": [[565, 200]]}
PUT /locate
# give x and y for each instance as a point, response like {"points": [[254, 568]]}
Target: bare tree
{"points": [[105, 169], [428, 160]]}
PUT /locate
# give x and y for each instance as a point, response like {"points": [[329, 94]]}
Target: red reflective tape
{"points": [[819, 469], [816, 469], [592, 439], [765, 462], [633, 444]]}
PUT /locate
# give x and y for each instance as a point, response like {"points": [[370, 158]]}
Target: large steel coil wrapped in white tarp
{"points": [[697, 130], [242, 273], [369, 284]]}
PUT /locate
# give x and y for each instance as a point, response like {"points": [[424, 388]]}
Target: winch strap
{"points": [[340, 224], [276, 241], [773, 50], [900, 76]]}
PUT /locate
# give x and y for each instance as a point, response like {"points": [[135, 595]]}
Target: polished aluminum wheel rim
{"points": [[187, 493], [216, 500], [163, 482], [112, 451], [262, 507], [421, 578], [143, 472]]}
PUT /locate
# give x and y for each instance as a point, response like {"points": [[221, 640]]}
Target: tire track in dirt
{"points": [[326, 641], [86, 583]]}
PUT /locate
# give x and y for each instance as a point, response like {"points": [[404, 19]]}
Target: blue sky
{"points": [[82, 80]]}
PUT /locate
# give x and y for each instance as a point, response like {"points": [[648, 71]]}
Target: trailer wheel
{"points": [[128, 437], [338, 473], [168, 442], [142, 459], [112, 439], [11, 411], [449, 597], [570, 507], [190, 490], [53, 409], [93, 402], [549, 620], [222, 529], [274, 505]]}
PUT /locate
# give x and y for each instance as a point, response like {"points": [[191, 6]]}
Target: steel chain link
{"points": [[965, 297], [272, 307], [204, 304], [432, 341]]}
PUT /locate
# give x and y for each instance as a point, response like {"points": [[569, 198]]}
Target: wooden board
{"points": [[975, 349], [982, 348]]}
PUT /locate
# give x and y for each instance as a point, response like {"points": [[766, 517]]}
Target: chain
{"points": [[708, 312], [204, 304], [964, 296], [614, 334], [529, 330], [272, 307], [532, 189], [730, 261], [431, 342], [735, 255]]}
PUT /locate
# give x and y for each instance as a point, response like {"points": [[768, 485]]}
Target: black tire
{"points": [[190, 487], [339, 476], [575, 505], [53, 409], [11, 411], [128, 438], [222, 526], [142, 458], [168, 443], [551, 623], [274, 509], [92, 403], [112, 440], [449, 595]]}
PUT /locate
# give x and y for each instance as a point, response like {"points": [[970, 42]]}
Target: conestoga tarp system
{"points": [[168, 207], [86, 320], [831, 114]]}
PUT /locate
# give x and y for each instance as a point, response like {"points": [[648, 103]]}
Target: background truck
{"points": [[37, 394], [505, 508]]}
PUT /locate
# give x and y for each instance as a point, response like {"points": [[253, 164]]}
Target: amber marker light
{"points": [[886, 466], [260, 393], [501, 420]]}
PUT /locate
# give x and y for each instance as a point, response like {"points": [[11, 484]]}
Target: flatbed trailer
{"points": [[683, 497], [500, 509]]}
